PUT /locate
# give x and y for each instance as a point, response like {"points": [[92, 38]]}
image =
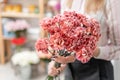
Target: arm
{"points": [[111, 51]]}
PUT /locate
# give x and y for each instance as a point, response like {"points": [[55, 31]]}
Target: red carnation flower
{"points": [[19, 41]]}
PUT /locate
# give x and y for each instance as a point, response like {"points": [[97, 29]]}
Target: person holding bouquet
{"points": [[99, 67]]}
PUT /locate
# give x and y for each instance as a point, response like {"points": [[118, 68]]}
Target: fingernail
{"points": [[58, 71]]}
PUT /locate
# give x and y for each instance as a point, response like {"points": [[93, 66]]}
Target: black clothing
{"points": [[95, 69]]}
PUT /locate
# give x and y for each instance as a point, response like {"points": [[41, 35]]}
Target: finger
{"points": [[60, 59], [70, 58], [49, 55], [51, 64], [64, 60], [41, 55], [53, 72], [62, 67], [58, 71]]}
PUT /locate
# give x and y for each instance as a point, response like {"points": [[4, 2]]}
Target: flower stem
{"points": [[50, 78], [58, 65]]}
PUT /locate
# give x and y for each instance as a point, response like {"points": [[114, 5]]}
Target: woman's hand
{"points": [[52, 71], [96, 52], [44, 56], [64, 60]]}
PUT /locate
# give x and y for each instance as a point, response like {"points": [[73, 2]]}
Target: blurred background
{"points": [[19, 30]]}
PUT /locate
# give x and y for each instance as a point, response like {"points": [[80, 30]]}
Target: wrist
{"points": [[70, 58], [96, 52]]}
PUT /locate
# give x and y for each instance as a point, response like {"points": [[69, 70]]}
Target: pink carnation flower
{"points": [[73, 32], [42, 45]]}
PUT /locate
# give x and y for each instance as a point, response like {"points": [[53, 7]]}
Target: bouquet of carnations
{"points": [[70, 33]]}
